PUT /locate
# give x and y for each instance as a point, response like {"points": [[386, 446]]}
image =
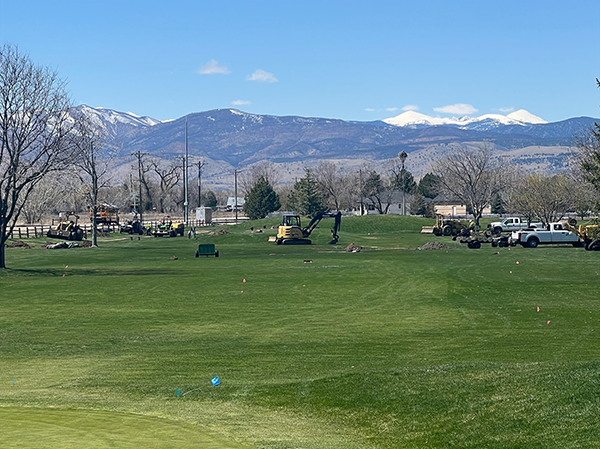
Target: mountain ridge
{"points": [[231, 139]]}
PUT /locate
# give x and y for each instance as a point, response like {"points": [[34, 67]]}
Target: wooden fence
{"points": [[39, 231]]}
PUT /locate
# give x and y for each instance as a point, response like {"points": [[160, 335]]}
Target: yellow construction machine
{"points": [[444, 226], [67, 228], [291, 232], [589, 235]]}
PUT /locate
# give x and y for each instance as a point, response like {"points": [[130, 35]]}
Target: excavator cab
{"points": [[290, 220]]}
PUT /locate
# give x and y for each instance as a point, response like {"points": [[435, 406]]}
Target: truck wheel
{"points": [[497, 230], [533, 242], [447, 230]]}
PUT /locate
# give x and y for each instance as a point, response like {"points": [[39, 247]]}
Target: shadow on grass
{"points": [[90, 272]]}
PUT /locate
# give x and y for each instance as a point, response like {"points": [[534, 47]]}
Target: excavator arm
{"points": [[308, 229]]}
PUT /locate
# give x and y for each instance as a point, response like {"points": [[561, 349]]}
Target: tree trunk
{"points": [[2, 256]]}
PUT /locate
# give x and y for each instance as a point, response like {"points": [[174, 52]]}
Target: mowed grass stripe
{"points": [[390, 347]]}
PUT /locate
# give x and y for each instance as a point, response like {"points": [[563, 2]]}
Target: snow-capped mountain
{"points": [[412, 119], [116, 125]]}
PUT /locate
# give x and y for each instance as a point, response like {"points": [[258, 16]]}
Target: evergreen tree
{"points": [[261, 200], [589, 149], [410, 186], [306, 198], [429, 186], [209, 199], [498, 206]]}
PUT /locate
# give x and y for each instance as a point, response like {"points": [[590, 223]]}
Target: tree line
{"points": [[49, 156]]}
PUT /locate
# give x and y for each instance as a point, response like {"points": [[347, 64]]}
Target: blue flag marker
{"points": [[14, 381], [178, 392], [215, 381]]}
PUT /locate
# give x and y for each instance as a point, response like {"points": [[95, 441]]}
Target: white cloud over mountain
{"points": [[240, 102], [212, 67], [458, 109], [410, 107]]}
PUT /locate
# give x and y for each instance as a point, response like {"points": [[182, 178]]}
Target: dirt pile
{"points": [[433, 245], [352, 248], [18, 244]]}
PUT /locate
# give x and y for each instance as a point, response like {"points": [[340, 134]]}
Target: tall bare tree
{"points": [[169, 176], [92, 165], [471, 176], [332, 183], [34, 131]]}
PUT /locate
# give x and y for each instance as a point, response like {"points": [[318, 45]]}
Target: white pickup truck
{"points": [[512, 224], [554, 233]]}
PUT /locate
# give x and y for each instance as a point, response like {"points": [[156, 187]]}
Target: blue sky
{"points": [[353, 60]]}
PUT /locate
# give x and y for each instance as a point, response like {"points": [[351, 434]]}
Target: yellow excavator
{"points": [[291, 232]]}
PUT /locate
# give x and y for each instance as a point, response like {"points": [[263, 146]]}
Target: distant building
{"points": [[231, 203]]}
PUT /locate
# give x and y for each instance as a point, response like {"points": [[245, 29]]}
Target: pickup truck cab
{"points": [[554, 233], [510, 224]]}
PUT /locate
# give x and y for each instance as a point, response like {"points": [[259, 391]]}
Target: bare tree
{"points": [[332, 183], [44, 199], [169, 176], [92, 165], [548, 198], [34, 130], [266, 170], [471, 176]]}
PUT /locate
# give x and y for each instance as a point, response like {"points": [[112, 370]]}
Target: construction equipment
{"points": [[67, 228], [166, 227], [291, 232], [589, 235], [447, 227], [178, 228], [133, 226], [105, 214]]}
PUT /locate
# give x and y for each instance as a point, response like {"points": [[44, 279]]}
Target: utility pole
{"points": [[186, 212], [360, 187], [200, 165], [402, 156], [235, 193]]}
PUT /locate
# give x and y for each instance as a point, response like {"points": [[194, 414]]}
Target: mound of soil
{"points": [[18, 244], [220, 232], [352, 248], [433, 245]]}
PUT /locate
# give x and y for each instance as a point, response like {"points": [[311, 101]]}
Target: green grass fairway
{"points": [[391, 347]]}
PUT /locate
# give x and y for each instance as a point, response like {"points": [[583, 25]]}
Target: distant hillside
{"points": [[228, 139]]}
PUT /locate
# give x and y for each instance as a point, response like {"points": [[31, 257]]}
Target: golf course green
{"points": [[314, 347]]}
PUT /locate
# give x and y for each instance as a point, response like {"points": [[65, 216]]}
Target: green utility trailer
{"points": [[207, 249]]}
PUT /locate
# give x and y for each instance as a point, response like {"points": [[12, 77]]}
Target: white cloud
{"points": [[212, 67], [391, 109], [458, 109], [240, 102], [262, 76], [370, 110], [410, 107], [506, 110]]}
